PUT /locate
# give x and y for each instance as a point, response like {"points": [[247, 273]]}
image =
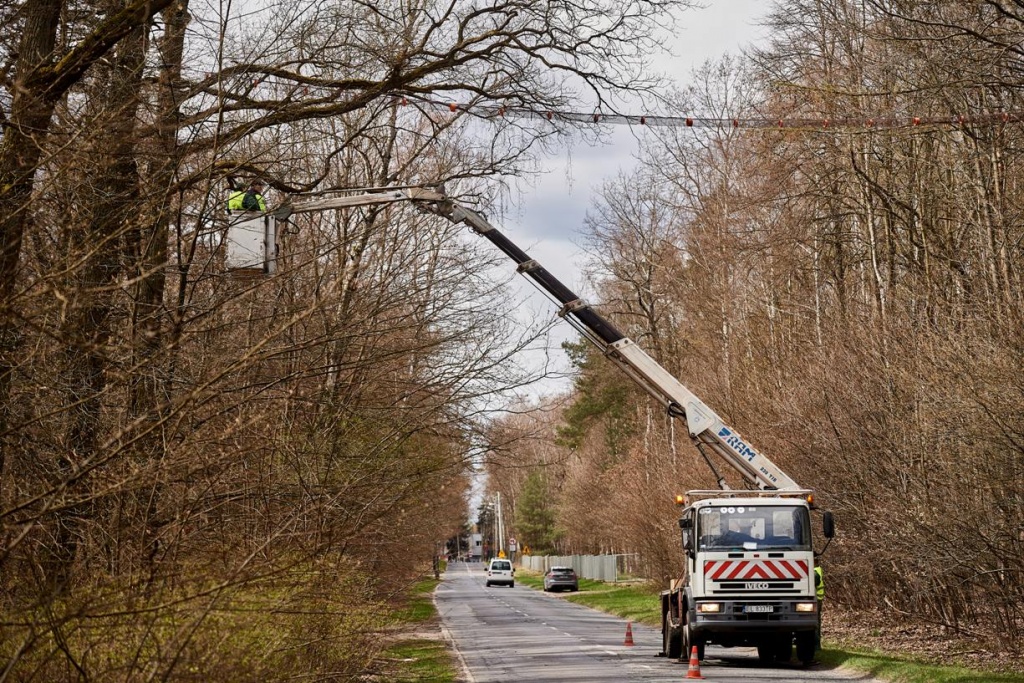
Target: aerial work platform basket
{"points": [[250, 243]]}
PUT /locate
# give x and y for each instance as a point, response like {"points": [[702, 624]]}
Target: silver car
{"points": [[558, 578]]}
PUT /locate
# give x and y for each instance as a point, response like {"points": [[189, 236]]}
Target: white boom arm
{"points": [[705, 427]]}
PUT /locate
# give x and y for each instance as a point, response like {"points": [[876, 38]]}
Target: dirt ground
{"points": [[899, 634]]}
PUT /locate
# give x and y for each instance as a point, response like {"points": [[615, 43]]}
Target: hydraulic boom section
{"points": [[705, 427]]}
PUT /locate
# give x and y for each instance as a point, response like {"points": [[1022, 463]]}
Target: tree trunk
{"points": [[20, 152]]}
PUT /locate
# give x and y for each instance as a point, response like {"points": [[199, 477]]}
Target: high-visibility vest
{"points": [[819, 583], [236, 202]]}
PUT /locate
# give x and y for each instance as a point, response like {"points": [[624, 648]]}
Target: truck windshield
{"points": [[758, 527]]}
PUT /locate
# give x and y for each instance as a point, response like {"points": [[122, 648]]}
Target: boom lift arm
{"points": [[705, 427]]}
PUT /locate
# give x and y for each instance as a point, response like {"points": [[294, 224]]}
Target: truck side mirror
{"points": [[828, 525], [686, 524]]}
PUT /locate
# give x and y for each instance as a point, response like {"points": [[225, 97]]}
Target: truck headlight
{"points": [[806, 606], [706, 607]]}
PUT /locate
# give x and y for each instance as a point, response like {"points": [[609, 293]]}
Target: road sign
{"points": [[512, 544]]}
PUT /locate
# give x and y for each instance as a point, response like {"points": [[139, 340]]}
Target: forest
{"points": [[843, 285], [197, 463]]}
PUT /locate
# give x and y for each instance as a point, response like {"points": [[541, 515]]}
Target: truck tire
{"points": [[805, 646], [671, 637], [690, 640]]}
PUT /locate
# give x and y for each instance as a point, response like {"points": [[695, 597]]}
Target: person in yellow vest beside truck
{"points": [[819, 589], [248, 200]]}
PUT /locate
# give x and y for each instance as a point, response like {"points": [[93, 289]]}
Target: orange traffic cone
{"points": [[629, 633], [694, 670]]}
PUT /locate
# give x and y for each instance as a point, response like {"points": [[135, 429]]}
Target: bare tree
{"points": [[185, 440]]}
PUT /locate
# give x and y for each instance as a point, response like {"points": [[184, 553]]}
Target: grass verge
{"points": [[420, 661], [638, 603], [906, 670], [415, 659]]}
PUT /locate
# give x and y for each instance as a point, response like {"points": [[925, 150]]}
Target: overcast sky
{"points": [[549, 221]]}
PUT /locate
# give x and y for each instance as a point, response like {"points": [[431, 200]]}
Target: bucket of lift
{"points": [[250, 243]]}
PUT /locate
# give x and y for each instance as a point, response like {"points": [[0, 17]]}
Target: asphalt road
{"points": [[508, 635]]}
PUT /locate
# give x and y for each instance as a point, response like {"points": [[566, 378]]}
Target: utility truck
{"points": [[748, 576]]}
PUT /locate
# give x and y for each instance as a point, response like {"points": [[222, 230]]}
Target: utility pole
{"points": [[497, 523]]}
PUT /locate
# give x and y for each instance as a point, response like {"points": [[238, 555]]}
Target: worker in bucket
{"points": [[248, 200]]}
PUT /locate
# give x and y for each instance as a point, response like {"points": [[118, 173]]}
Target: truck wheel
{"points": [[690, 639], [805, 642], [671, 637]]}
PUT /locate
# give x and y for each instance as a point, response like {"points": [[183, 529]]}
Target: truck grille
{"points": [[758, 586]]}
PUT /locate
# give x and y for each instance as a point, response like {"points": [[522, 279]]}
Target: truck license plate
{"points": [[758, 608]]}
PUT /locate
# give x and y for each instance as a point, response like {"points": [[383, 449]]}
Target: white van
{"points": [[500, 572]]}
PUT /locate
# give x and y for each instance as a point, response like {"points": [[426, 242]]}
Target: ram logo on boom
{"points": [[736, 443]]}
